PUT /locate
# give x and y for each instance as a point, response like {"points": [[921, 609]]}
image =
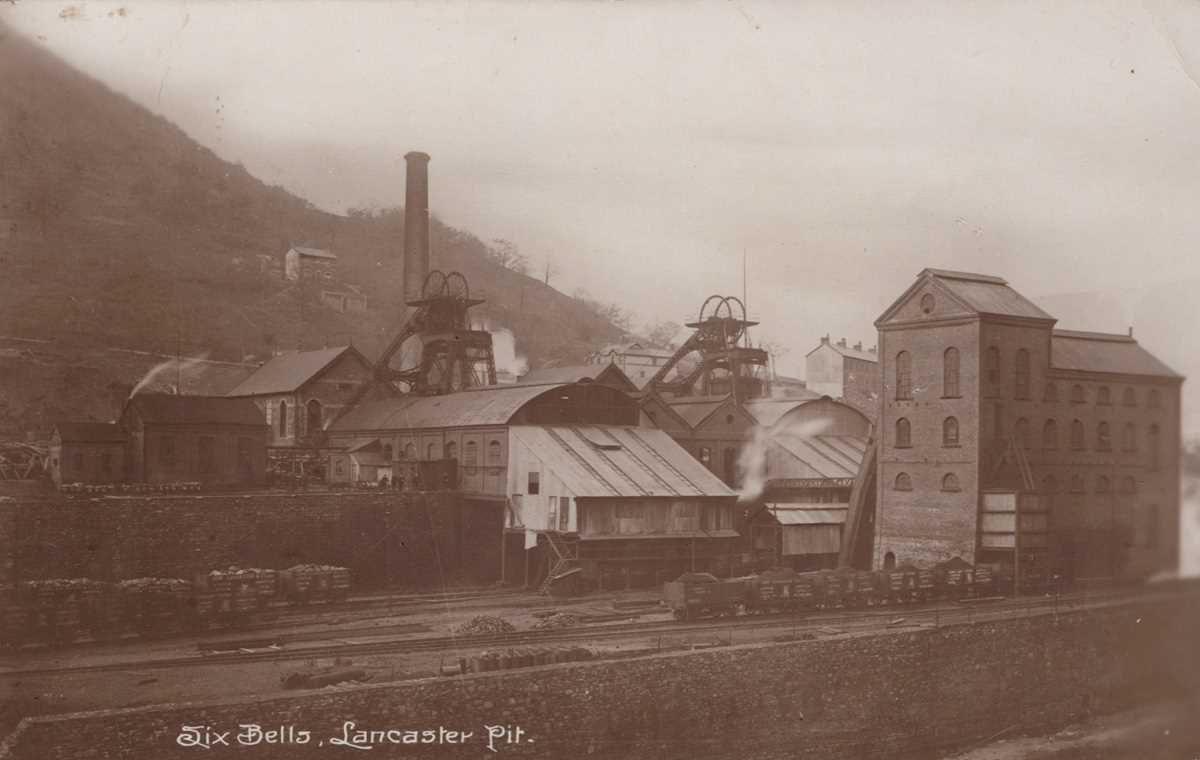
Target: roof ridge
{"points": [[1093, 335], [953, 274]]}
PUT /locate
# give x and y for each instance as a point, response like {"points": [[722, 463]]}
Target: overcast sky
{"points": [[644, 147]]}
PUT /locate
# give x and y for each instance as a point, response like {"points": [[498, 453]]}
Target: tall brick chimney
{"points": [[416, 224]]}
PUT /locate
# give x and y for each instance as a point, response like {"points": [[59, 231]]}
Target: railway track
{"points": [[882, 618]]}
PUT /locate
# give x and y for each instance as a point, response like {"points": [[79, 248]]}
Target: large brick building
{"points": [[992, 419]]}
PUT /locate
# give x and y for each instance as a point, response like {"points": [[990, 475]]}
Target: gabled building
{"points": [[1000, 434], [846, 373], [301, 392], [302, 264], [87, 452], [638, 361], [212, 440]]}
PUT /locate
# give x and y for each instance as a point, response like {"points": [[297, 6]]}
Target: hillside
{"points": [[119, 230]]}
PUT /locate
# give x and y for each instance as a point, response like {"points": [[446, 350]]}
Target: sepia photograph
{"points": [[729, 379]]}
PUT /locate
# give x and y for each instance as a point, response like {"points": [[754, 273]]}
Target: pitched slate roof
{"points": [[1104, 352], [621, 461], [853, 353], [987, 294], [490, 405], [288, 372], [195, 410], [90, 432], [695, 409], [201, 378]]}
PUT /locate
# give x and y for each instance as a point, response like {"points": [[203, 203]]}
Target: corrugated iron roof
{"points": [[621, 461], [491, 405], [768, 411], [90, 432], [195, 410], [988, 295], [1102, 352], [822, 456], [315, 252], [815, 514], [287, 372]]}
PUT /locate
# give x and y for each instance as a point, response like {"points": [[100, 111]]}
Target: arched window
{"points": [[950, 482], [410, 452], [1022, 432], [993, 365], [451, 450], [903, 482], [1153, 400], [471, 456], [889, 561], [1129, 437], [312, 421], [1022, 374], [1103, 396], [903, 433], [283, 419], [1077, 394], [1077, 435], [1077, 484], [903, 375], [430, 450], [950, 373], [1103, 438], [1102, 484], [493, 454], [387, 452], [1128, 484], [1155, 451], [950, 431], [1051, 394], [1129, 397], [1050, 435]]}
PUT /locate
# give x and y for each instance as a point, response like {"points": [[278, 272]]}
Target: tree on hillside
{"points": [[505, 254], [663, 333], [610, 312]]}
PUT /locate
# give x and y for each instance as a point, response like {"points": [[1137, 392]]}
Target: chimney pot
{"points": [[858, 346], [842, 343], [874, 349], [824, 339]]}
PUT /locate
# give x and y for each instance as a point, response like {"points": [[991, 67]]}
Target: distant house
{"points": [[300, 393], [348, 300], [302, 264], [845, 372], [87, 452], [207, 439]]}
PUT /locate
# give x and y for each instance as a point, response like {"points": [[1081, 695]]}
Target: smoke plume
{"points": [[504, 346], [752, 464], [170, 371]]}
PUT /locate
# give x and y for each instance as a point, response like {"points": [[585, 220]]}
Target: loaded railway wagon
{"points": [[696, 595]]}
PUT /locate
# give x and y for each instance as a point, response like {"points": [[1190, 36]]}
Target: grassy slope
{"points": [[120, 230]]}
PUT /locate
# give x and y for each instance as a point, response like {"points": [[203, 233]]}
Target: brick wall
{"points": [[407, 538], [917, 694]]}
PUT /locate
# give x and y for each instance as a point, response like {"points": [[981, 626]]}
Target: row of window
{"points": [[470, 453], [950, 436], [951, 388], [1128, 484]]}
